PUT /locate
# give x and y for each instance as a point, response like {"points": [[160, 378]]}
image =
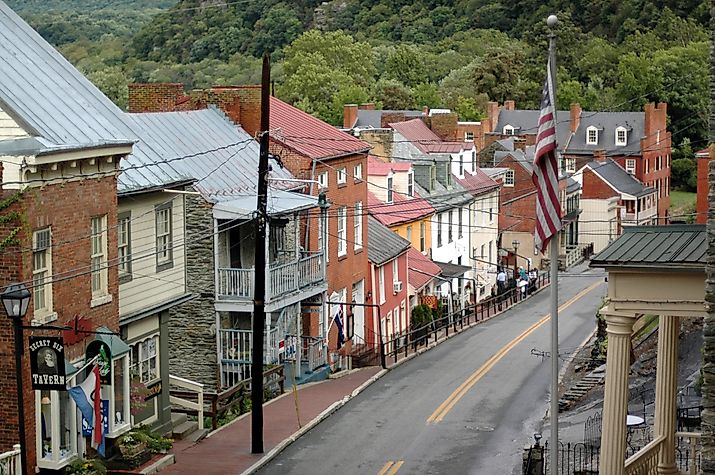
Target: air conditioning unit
{"points": [[397, 286]]}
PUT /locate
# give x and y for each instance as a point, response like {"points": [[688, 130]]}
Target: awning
{"points": [[115, 343], [279, 202], [452, 271], [70, 369]]}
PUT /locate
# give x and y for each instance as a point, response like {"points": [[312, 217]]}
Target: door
{"points": [[359, 312]]}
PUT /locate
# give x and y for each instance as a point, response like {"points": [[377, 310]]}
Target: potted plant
{"points": [[130, 446]]}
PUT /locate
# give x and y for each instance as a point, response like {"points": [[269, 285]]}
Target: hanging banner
{"points": [[47, 363], [87, 429], [98, 347]]}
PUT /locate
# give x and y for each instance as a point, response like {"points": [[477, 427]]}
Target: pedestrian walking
{"points": [[501, 281]]}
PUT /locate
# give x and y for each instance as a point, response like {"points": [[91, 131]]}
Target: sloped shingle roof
{"points": [[420, 269], [403, 209], [385, 245], [424, 139], [310, 136], [612, 173], [678, 246]]}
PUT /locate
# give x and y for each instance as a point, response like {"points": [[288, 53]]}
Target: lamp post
{"points": [[15, 299], [515, 245]]}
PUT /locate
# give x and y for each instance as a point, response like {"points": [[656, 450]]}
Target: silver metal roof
{"points": [[47, 96], [202, 146]]}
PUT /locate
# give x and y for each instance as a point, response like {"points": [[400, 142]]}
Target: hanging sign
{"points": [[47, 363], [153, 390], [98, 347]]}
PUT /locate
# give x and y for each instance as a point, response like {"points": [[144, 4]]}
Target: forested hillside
{"points": [[613, 54]]}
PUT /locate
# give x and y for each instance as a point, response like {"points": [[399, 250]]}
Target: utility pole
{"points": [[259, 292]]}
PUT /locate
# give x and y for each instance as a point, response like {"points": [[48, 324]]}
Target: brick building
{"points": [[58, 148], [311, 150], [638, 141]]}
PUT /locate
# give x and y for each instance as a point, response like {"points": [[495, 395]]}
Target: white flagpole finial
{"points": [[552, 21]]}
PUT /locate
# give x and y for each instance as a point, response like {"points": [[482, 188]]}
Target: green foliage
{"points": [[684, 174], [421, 315], [86, 467], [153, 441]]}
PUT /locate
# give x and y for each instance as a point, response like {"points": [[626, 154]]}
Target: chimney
{"points": [[444, 125], [368, 106], [599, 155], [492, 117], [242, 104], [350, 115], [391, 117], [655, 120], [575, 116], [156, 97], [649, 120], [509, 105]]}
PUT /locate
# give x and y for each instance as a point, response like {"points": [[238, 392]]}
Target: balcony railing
{"points": [[10, 462], [282, 279], [235, 350]]}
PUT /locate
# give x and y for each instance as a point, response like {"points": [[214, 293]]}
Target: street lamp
{"points": [[515, 245], [15, 299]]}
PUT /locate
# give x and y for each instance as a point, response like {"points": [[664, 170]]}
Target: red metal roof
{"points": [[310, 136], [427, 141], [420, 269], [377, 167], [478, 183], [403, 209]]}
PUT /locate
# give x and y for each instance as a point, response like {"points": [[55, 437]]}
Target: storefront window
{"points": [[56, 428], [119, 402]]}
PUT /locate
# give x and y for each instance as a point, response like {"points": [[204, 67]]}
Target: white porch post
{"points": [[615, 403], [666, 386]]}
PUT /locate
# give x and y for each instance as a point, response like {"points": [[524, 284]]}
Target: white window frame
{"points": [[411, 183], [631, 165], [460, 223], [571, 164], [357, 172], [118, 428], [323, 181], [164, 236], [450, 226], [42, 276], [439, 230], [423, 237], [508, 130], [509, 178], [56, 460], [620, 141], [408, 233], [98, 261], [469, 136], [474, 161], [591, 135], [395, 272], [357, 221], [124, 246], [342, 231], [381, 282], [145, 359], [342, 176], [390, 190]]}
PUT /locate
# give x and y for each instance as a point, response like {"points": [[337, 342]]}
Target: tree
{"points": [[405, 64], [276, 29], [394, 95]]}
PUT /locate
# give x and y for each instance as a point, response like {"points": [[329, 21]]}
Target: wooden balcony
{"points": [[299, 277]]}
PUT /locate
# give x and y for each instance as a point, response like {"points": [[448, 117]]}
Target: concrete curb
{"points": [[167, 460], [338, 404], [317, 420]]}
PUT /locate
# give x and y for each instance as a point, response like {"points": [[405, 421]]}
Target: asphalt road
{"points": [[468, 406]]}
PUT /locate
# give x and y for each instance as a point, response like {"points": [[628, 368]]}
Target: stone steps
{"points": [[581, 388]]}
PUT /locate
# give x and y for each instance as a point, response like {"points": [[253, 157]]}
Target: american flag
{"points": [[546, 173]]}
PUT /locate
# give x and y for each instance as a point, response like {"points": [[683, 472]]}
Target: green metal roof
{"points": [[116, 345], [674, 246]]}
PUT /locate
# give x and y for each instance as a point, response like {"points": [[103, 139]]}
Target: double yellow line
{"points": [[390, 468], [448, 404]]}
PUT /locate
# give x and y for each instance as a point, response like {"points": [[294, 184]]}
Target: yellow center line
{"points": [[448, 404], [395, 468], [385, 467]]}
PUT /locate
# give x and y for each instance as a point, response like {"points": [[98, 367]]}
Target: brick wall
{"points": [[594, 187], [657, 143], [445, 126], [56, 206]]}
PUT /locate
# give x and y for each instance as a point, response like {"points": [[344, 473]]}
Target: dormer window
{"points": [[508, 130], [432, 177], [410, 184], [621, 136], [469, 136], [592, 136], [449, 177], [389, 189]]}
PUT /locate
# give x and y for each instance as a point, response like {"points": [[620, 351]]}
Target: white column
{"points": [[615, 402], [666, 386]]}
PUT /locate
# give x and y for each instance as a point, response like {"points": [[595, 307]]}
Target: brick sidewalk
{"points": [[228, 450]]}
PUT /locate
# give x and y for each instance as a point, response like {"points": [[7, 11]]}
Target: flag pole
{"points": [[551, 22]]}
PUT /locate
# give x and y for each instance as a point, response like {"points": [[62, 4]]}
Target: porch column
{"points": [[615, 401], [666, 386]]}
